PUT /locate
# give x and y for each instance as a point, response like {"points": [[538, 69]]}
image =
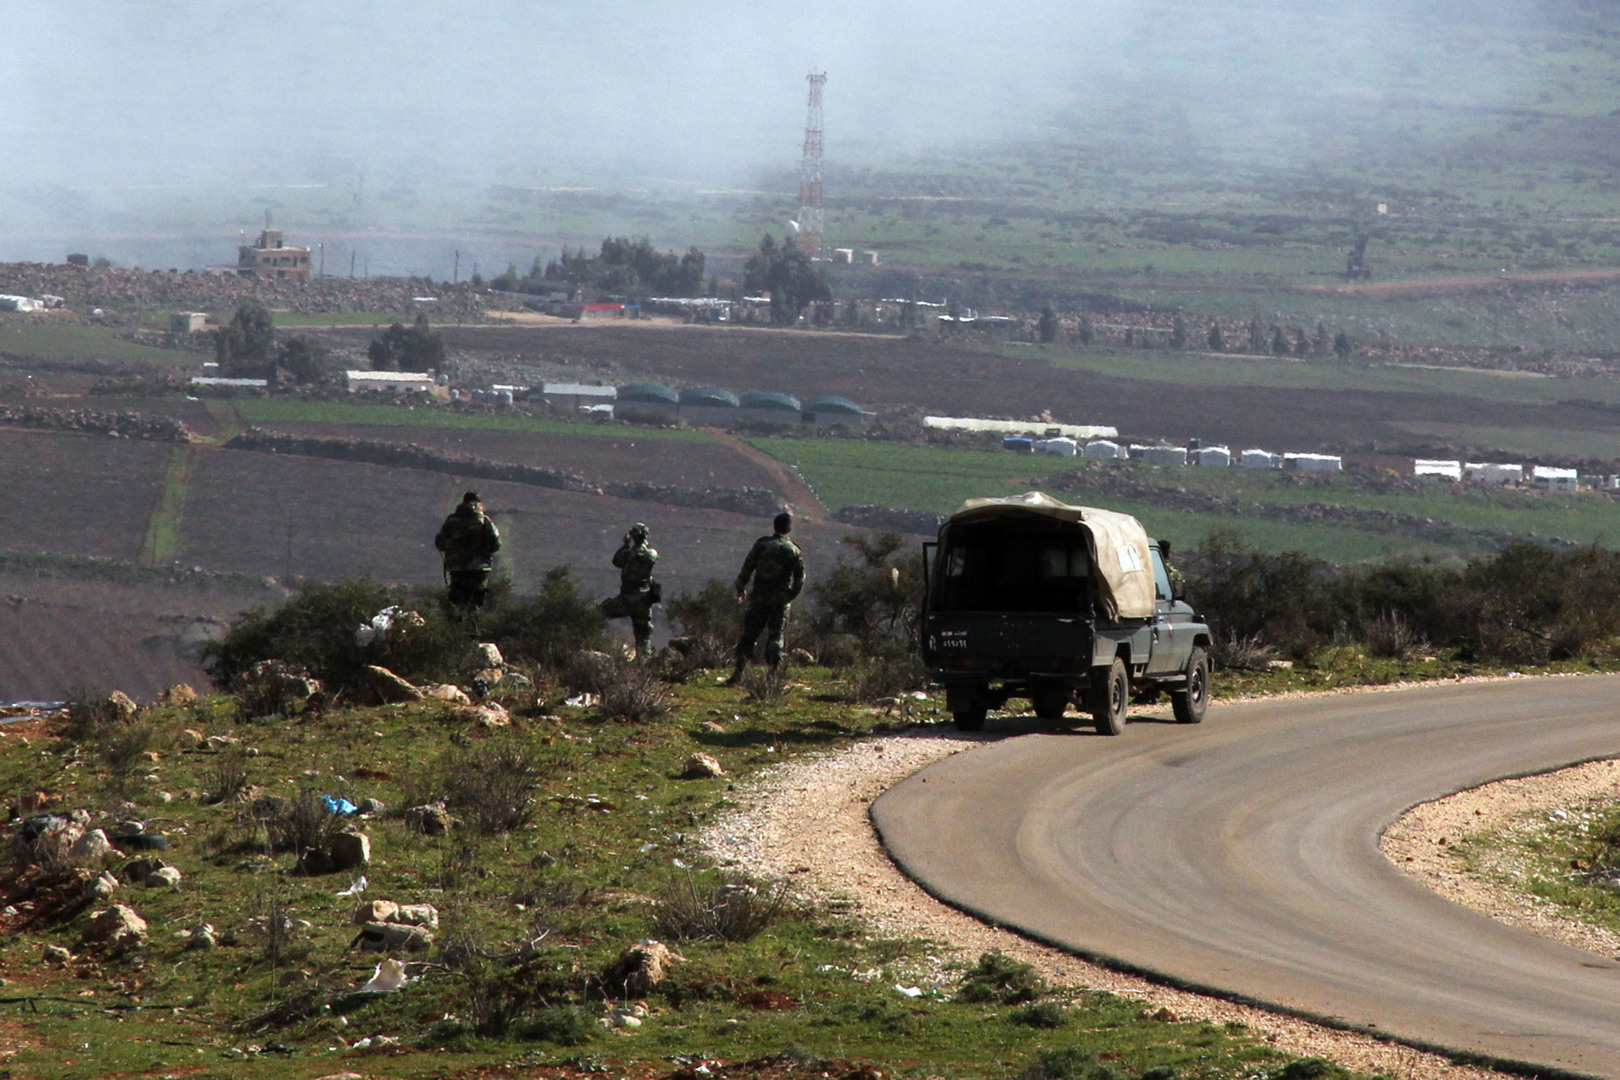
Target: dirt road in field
{"points": [[1242, 857]]}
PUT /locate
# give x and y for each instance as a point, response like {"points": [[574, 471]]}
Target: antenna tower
{"points": [[810, 236]]}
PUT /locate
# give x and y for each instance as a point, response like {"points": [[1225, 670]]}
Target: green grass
{"points": [[271, 410], [162, 540], [934, 479], [43, 338], [611, 828]]}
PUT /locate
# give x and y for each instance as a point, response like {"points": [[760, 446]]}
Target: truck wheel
{"points": [[1110, 697], [1190, 702], [970, 719], [1049, 700]]}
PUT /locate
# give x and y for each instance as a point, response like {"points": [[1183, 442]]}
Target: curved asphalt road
{"points": [[1242, 856]]}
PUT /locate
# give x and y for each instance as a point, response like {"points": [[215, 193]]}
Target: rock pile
{"points": [[123, 425]]}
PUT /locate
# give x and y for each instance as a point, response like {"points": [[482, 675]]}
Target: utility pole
{"points": [[455, 277], [351, 264], [811, 239], [323, 259]]}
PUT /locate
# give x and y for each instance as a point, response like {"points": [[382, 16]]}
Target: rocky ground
{"points": [[807, 822]]}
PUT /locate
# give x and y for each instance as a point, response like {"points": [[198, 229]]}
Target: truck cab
{"points": [[1030, 597]]}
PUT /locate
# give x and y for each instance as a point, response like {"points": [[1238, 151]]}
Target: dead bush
{"points": [[226, 778], [1388, 635], [1240, 652], [732, 910], [886, 675], [627, 689], [302, 823], [491, 785], [765, 685], [710, 622]]}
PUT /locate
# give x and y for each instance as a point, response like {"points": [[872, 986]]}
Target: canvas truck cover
{"points": [[1117, 543]]}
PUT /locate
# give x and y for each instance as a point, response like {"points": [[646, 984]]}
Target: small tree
{"points": [[1088, 330], [1046, 329], [1342, 346], [1216, 340], [399, 349], [1178, 333], [793, 281], [305, 359], [243, 347]]}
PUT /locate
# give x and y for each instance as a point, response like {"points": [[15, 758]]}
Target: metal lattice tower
{"points": [[810, 238]]}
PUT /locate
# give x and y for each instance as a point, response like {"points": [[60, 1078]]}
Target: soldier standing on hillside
{"points": [[637, 590], [777, 566], [469, 541]]}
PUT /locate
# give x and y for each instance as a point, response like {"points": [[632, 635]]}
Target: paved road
{"points": [[1242, 855]]}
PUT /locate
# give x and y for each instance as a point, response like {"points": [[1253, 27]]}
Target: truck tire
{"points": [[1049, 700], [970, 719], [1190, 701], [1110, 697]]}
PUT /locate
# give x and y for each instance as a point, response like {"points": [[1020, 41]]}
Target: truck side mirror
{"points": [[1178, 587]]}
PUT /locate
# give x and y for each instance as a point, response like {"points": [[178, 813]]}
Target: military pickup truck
{"points": [[1030, 597]]}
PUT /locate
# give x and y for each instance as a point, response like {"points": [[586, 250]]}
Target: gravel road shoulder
{"points": [[806, 821]]}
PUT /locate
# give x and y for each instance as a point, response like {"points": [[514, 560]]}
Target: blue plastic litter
{"points": [[336, 804]]}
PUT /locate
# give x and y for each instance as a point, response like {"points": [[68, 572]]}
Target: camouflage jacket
{"points": [[468, 539], [635, 563], [777, 566]]}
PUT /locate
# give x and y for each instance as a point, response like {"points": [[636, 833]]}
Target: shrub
{"points": [[1387, 635], [999, 978], [733, 910], [1068, 1063], [626, 689], [1234, 653], [710, 619], [1039, 1014], [302, 823], [1311, 1068], [886, 675], [561, 1026], [1243, 592], [876, 598], [492, 785], [315, 630], [226, 778], [548, 628]]}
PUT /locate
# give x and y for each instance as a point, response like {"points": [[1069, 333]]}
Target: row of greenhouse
{"points": [[704, 405], [1214, 457]]}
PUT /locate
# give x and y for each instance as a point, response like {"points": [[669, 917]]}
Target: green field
{"points": [[272, 410], [42, 338], [938, 479]]}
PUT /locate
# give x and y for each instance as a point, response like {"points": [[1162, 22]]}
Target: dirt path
{"points": [[788, 482]]}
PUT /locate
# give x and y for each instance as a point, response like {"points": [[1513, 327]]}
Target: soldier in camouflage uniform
{"points": [[469, 541], [777, 566], [635, 560]]}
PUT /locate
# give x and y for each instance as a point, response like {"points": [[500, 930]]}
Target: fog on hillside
{"points": [[114, 109]]}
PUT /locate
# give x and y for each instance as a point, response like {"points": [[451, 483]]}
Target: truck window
{"points": [[993, 568], [1161, 579]]}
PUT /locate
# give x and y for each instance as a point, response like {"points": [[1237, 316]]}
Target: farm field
{"points": [[1280, 405], [78, 494]]}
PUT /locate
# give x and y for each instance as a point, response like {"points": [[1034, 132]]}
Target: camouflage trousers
{"points": [[468, 588], [638, 608], [771, 617]]}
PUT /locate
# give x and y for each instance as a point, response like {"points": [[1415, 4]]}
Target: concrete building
{"points": [[1062, 446], [648, 402], [188, 322], [709, 406], [269, 257], [1260, 459], [1212, 457], [394, 382], [829, 411], [1014, 427]]}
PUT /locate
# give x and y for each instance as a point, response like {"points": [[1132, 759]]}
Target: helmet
{"points": [[638, 531]]}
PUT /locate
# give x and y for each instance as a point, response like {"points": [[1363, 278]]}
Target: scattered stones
{"points": [[375, 911], [417, 915], [392, 937], [122, 706], [117, 927], [487, 655], [640, 967], [701, 767], [351, 850], [446, 692], [370, 806], [57, 956], [178, 694], [489, 714], [192, 739], [102, 887], [429, 820], [92, 847], [389, 688], [202, 936], [163, 877]]}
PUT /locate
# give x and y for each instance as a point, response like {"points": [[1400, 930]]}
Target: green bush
{"points": [[491, 785], [1039, 1014], [1000, 979], [710, 621], [548, 628], [1068, 1063], [315, 630], [874, 598]]}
